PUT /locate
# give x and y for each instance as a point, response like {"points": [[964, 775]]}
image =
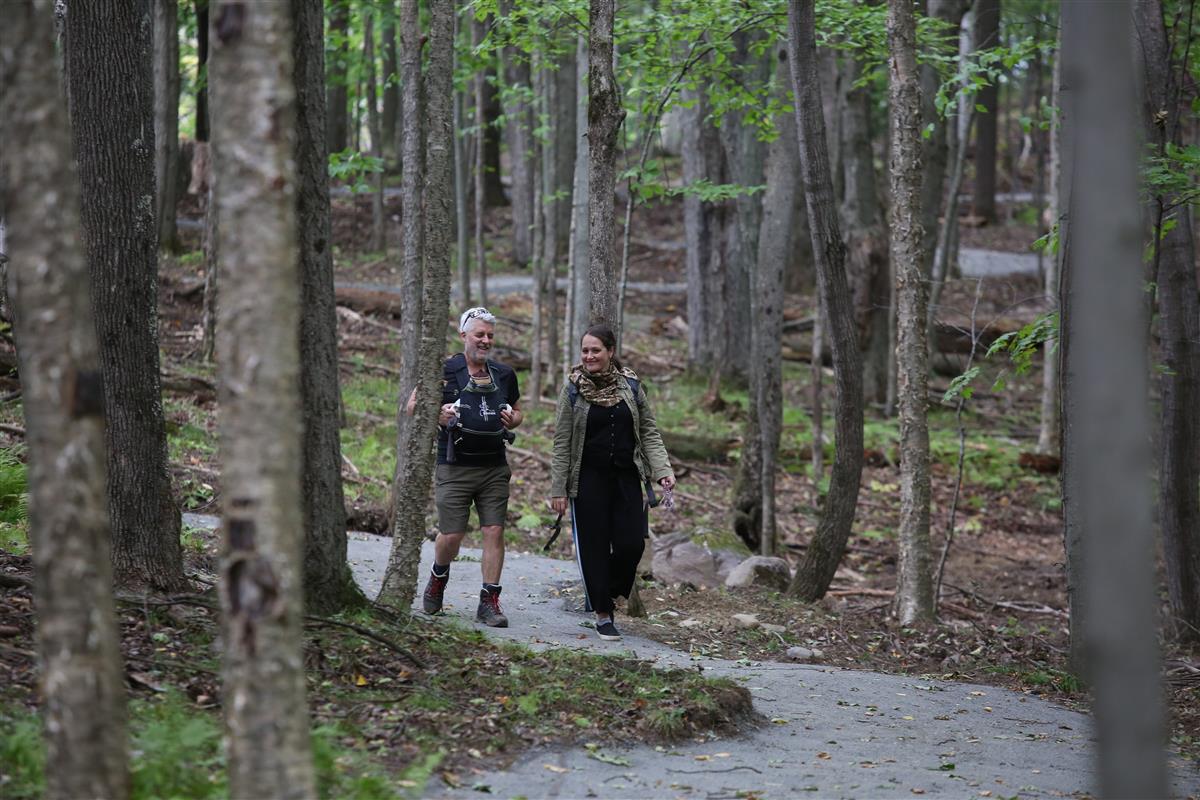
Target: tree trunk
{"points": [[481, 183], [914, 590], [565, 129], [328, 584], [828, 544], [538, 264], [391, 81], [202, 71], [604, 119], [1048, 421], [337, 120], [745, 155], [774, 253], [1106, 431], [518, 134], [866, 238], [109, 77], [416, 455], [1179, 313], [987, 34], [491, 110], [166, 120], [462, 251], [266, 716], [580, 287], [705, 267], [79, 658], [378, 235]]}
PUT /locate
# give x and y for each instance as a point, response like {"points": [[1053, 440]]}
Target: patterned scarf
{"points": [[600, 389]]}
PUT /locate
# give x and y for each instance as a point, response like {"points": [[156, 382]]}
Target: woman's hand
{"points": [[558, 505], [667, 483]]}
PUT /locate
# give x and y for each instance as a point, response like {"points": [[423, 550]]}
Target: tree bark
{"points": [[378, 235], [702, 222], [604, 119], [1106, 432], [914, 590], [266, 716], [828, 544], [328, 585], [866, 237], [79, 659], [110, 83], [987, 34], [412, 486], [774, 253], [518, 134], [1048, 419], [202, 71], [337, 120], [491, 110], [1179, 313], [166, 121], [462, 242], [580, 287], [391, 81]]}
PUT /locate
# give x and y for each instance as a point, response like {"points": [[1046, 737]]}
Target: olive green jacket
{"points": [[570, 430]]}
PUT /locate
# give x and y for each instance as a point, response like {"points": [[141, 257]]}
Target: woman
{"points": [[606, 445]]}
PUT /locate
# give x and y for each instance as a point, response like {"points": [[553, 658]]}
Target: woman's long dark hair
{"points": [[607, 338]]}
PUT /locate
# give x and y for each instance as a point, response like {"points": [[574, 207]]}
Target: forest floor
{"points": [[1003, 606]]}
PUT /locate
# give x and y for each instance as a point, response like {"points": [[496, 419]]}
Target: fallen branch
{"points": [[368, 365], [14, 582], [15, 430], [323, 622], [521, 451]]}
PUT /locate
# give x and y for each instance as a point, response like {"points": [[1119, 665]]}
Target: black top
{"points": [[609, 441], [454, 379]]}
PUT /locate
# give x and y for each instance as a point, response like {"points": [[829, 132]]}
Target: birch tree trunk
{"points": [[1048, 418], [79, 658], [604, 119], [1179, 312], [166, 120], [266, 716], [815, 572], [328, 584], [580, 287], [411, 487], [774, 253], [378, 235], [914, 589], [110, 83], [866, 237], [1107, 431]]}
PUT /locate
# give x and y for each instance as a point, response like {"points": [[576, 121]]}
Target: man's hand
{"points": [[667, 482], [558, 505], [511, 417], [446, 414]]}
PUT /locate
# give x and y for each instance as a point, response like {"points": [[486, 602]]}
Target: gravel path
{"points": [[825, 732]]}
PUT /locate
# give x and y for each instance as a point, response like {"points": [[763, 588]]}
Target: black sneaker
{"points": [[489, 612], [431, 601], [608, 631]]}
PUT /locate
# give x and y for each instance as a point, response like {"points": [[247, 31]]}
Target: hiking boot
{"points": [[431, 601], [489, 612], [608, 631]]}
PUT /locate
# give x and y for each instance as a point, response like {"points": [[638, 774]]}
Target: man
{"points": [[479, 408]]}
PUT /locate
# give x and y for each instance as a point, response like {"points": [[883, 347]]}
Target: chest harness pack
{"points": [[475, 429]]}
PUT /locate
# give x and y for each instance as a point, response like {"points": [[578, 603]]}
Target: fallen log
{"points": [[697, 447], [368, 301]]}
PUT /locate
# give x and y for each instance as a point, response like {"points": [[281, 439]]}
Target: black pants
{"points": [[609, 521]]}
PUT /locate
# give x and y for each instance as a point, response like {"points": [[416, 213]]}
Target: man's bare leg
{"points": [[446, 546], [493, 552]]}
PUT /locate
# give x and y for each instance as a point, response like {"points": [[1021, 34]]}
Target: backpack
{"points": [[476, 429]]}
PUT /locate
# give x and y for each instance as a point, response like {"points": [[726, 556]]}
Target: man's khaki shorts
{"points": [[457, 487]]}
